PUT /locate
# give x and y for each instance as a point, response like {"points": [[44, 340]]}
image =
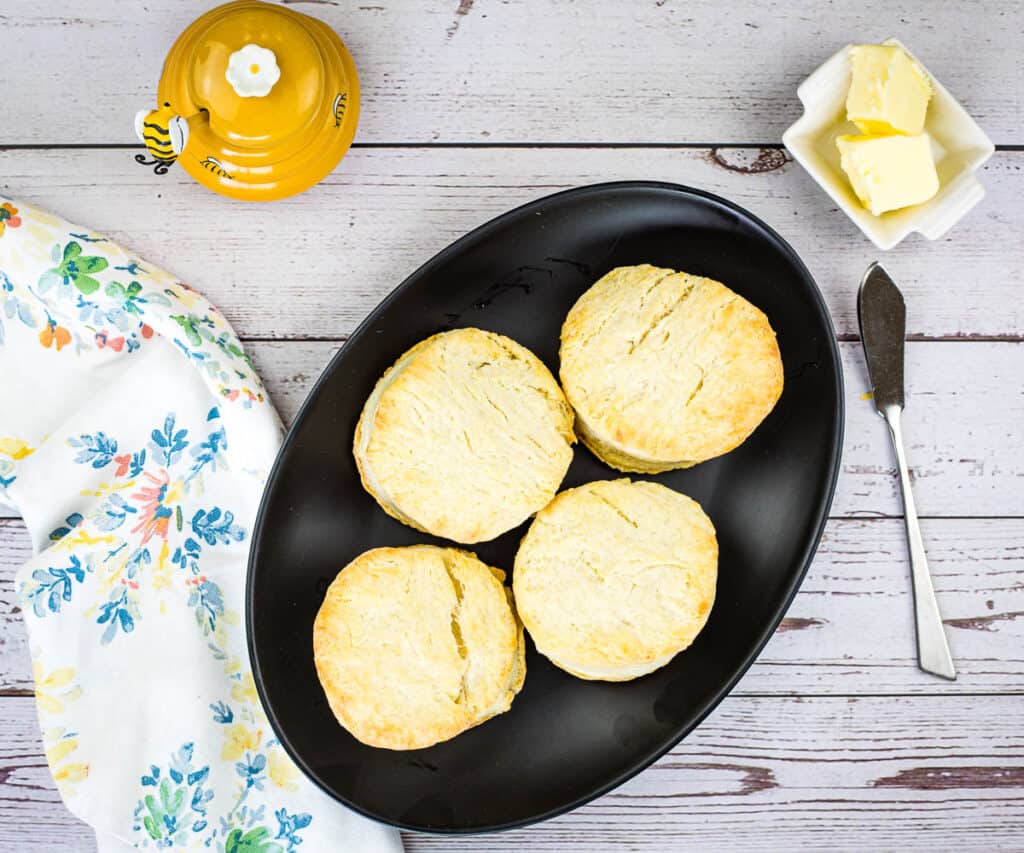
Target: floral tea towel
{"points": [[135, 437]]}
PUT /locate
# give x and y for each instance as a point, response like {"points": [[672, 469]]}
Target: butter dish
{"points": [[959, 147]]}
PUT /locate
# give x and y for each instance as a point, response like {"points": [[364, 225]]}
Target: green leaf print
{"points": [[169, 805], [151, 827], [86, 283], [76, 268], [115, 290], [190, 327], [254, 841], [155, 819], [171, 802], [71, 251]]}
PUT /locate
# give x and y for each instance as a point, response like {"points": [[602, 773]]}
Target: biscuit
{"points": [[666, 369], [615, 578], [415, 645], [465, 436]]}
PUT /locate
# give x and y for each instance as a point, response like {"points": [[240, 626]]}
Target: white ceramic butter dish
{"points": [[958, 144]]}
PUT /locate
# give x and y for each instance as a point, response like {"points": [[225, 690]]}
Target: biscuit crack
{"points": [[456, 629], [617, 509], [609, 315], [496, 407], [697, 389], [552, 401], [663, 315], [650, 290]]}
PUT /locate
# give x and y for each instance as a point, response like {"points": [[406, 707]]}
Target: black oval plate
{"points": [[564, 741]]}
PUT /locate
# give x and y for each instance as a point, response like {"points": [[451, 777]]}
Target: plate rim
{"points": [[821, 517]]}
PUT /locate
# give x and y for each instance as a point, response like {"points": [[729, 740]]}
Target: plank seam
{"points": [[845, 338], [697, 146]]}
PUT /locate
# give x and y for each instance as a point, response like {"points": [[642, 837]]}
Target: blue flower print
{"points": [[177, 807], [113, 512], [251, 770], [205, 599], [289, 826], [53, 586], [97, 450], [117, 613], [222, 713], [70, 523], [209, 452], [214, 526], [169, 443]]}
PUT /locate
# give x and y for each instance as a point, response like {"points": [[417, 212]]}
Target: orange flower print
{"points": [[154, 517], [54, 334], [8, 217]]}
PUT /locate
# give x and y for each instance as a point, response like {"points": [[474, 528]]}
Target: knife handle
{"points": [[932, 647]]}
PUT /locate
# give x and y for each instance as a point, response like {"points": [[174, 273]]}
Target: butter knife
{"points": [[883, 319]]}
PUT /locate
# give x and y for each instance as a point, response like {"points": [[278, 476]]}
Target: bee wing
{"points": [[177, 128], [140, 117]]}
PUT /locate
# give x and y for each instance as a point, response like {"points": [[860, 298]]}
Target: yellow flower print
{"points": [[49, 695], [162, 569], [244, 690], [58, 746], [238, 740], [15, 448], [82, 537], [54, 690], [282, 772]]}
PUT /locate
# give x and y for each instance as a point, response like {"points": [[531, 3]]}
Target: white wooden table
{"points": [[834, 738]]}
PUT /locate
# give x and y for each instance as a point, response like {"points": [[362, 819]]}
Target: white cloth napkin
{"points": [[135, 437]]}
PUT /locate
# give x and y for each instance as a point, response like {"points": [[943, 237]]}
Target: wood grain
{"points": [[849, 630], [930, 773], [964, 406], [542, 71], [315, 265], [833, 739]]}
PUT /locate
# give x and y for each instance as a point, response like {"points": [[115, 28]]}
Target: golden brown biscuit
{"points": [[615, 578], [465, 437], [415, 645], [666, 369]]}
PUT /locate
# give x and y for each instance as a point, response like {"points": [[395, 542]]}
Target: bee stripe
{"points": [[159, 143], [154, 126]]}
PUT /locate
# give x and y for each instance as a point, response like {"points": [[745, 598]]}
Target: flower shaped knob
{"points": [[252, 71]]}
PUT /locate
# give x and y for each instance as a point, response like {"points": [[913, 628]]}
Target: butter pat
{"points": [[889, 172], [889, 92]]}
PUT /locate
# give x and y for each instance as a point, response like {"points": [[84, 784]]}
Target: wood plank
{"points": [[317, 264], [880, 773], [964, 407], [32, 816], [849, 630], [542, 71]]}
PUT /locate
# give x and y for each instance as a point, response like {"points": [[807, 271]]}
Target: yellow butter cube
{"points": [[889, 172], [889, 92]]}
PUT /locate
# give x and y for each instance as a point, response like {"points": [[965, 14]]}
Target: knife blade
{"points": [[883, 322], [882, 314]]}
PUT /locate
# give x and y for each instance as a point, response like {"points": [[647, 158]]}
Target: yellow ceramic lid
{"points": [[270, 96]]}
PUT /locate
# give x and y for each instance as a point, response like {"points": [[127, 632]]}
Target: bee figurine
{"points": [[165, 134]]}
